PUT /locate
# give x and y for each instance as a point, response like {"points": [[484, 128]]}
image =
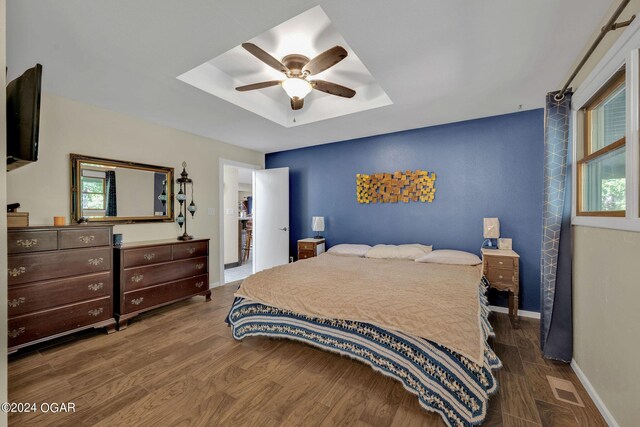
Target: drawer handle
{"points": [[500, 262], [96, 312], [86, 239], [137, 301], [17, 332], [149, 257], [137, 278], [499, 277], [27, 243], [96, 261], [15, 272], [191, 250], [199, 266], [16, 302], [95, 286], [199, 284]]}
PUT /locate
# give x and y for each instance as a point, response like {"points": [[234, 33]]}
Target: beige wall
{"points": [[3, 221], [606, 281], [71, 127], [230, 214], [607, 319]]}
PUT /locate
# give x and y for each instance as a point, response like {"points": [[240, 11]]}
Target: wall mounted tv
{"points": [[23, 118]]}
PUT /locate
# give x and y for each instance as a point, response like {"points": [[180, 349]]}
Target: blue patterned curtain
{"points": [[111, 208], [556, 327]]}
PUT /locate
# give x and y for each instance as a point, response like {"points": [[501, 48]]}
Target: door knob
{"points": [[283, 229]]}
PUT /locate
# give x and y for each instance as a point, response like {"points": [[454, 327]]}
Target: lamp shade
{"points": [[491, 228], [317, 223]]}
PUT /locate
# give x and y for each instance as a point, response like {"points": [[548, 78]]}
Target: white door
{"points": [[270, 218]]}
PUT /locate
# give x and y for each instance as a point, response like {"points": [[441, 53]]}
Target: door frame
{"points": [[222, 163]]}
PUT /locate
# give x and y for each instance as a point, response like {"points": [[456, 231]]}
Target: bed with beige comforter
{"points": [[423, 324]]}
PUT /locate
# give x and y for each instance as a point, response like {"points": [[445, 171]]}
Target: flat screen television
{"points": [[23, 118]]}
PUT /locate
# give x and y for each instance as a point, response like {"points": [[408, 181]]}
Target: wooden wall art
{"points": [[396, 187]]}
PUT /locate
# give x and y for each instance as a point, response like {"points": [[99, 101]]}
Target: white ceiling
{"points": [[439, 61], [309, 34]]}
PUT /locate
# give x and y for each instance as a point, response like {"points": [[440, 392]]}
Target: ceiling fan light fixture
{"points": [[296, 87]]}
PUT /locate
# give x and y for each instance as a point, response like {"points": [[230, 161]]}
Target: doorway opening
{"points": [[237, 249]]}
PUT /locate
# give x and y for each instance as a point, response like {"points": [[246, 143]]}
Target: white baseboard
{"points": [[523, 313], [594, 395], [214, 285]]}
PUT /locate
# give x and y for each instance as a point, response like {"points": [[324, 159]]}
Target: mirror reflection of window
{"points": [[93, 193]]}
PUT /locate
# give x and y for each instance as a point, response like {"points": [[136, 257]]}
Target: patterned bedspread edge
{"points": [[444, 381]]}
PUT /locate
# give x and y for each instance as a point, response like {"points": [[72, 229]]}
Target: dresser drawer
{"points": [[500, 277], [306, 254], [306, 246], [44, 266], [144, 256], [160, 294], [38, 296], [89, 237], [31, 241], [141, 277], [500, 262], [190, 250], [31, 327]]}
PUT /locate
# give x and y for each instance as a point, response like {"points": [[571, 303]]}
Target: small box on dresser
{"points": [[60, 282], [156, 273]]}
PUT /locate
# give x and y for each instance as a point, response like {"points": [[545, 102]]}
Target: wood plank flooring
{"points": [[180, 366]]}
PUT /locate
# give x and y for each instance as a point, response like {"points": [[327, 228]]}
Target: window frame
{"points": [[610, 87], [104, 193], [624, 53]]}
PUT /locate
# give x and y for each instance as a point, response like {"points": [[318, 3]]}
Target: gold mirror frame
{"points": [[76, 196]]}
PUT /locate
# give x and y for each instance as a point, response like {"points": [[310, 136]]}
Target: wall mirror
{"points": [[119, 191]]}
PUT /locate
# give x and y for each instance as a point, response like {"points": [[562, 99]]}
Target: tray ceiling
{"points": [[439, 61]]}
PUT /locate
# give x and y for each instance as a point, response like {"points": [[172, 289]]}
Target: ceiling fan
{"points": [[298, 68]]}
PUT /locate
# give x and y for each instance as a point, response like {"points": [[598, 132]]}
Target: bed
{"points": [[422, 324]]}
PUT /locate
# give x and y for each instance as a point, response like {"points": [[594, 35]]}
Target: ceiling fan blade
{"points": [[333, 88], [265, 57], [255, 86], [297, 103], [326, 59]]}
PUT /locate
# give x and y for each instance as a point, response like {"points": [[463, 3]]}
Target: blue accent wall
{"points": [[490, 167]]}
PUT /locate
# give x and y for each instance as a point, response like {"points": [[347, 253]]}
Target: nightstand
{"points": [[308, 248], [501, 268]]}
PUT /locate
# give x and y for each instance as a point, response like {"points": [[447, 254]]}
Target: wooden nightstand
{"points": [[501, 268], [308, 248]]}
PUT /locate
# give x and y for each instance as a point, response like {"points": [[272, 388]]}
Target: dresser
{"points": [[308, 248], [501, 268], [59, 282], [156, 273]]}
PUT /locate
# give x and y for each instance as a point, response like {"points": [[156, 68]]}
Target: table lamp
{"points": [[317, 225], [491, 232]]}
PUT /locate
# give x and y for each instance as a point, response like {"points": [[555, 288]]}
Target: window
{"points": [[93, 193], [602, 169]]}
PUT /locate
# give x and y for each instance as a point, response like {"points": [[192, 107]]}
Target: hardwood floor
{"points": [[180, 366]]}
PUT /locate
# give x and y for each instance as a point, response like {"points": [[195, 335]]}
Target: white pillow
{"points": [[346, 249], [448, 256], [411, 251]]}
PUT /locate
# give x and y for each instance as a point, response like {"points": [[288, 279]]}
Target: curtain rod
{"points": [[611, 25]]}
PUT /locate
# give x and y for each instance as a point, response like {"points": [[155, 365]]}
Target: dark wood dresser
{"points": [[155, 273], [60, 282]]}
